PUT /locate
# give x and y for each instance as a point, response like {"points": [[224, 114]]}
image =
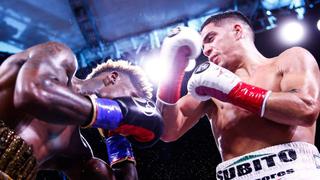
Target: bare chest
{"points": [[238, 131]]}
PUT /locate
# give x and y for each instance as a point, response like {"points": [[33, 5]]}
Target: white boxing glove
{"points": [[179, 37], [209, 77], [210, 80], [181, 45]]}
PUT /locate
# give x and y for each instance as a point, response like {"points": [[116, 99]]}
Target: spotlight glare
{"points": [[154, 68], [268, 13], [292, 32], [318, 24]]}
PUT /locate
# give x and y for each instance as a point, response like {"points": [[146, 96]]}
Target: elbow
{"points": [[22, 97], [310, 114], [171, 132], [309, 119], [27, 95], [166, 137]]}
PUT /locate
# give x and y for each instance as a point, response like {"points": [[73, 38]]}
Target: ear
{"points": [[111, 78], [114, 76], [238, 29]]}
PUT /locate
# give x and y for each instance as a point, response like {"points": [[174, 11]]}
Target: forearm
{"points": [[291, 108], [179, 118], [52, 102], [42, 87], [170, 119], [90, 169], [120, 156], [125, 170]]}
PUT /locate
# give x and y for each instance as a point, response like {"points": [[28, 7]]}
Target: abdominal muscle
{"points": [[238, 131], [46, 139]]}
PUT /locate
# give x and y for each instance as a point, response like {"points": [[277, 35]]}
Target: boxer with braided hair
{"points": [[43, 104]]}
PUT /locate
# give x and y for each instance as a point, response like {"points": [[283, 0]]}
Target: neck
{"points": [[250, 58], [76, 84], [91, 86]]}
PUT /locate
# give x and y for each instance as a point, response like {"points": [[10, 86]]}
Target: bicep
{"points": [[49, 61], [301, 76], [297, 101], [189, 107], [190, 111]]}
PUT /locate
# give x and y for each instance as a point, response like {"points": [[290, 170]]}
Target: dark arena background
{"points": [[133, 30]]}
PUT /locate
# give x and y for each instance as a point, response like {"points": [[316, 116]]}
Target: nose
{"points": [[207, 50]]}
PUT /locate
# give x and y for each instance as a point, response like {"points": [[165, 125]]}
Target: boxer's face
{"points": [[219, 44], [110, 85]]}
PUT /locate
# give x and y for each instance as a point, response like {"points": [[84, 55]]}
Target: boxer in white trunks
{"points": [[263, 111]]}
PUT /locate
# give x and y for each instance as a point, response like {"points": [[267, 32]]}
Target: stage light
{"points": [[292, 32], [153, 69], [154, 66], [157, 69], [268, 13], [318, 24]]}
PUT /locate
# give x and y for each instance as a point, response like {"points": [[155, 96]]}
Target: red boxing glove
{"points": [[178, 47], [210, 80]]}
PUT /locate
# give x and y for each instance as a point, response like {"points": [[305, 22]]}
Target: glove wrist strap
{"points": [[249, 97], [92, 99], [106, 113], [119, 150]]}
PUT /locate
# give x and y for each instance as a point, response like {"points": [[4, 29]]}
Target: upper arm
{"points": [[50, 60], [190, 108], [297, 101], [300, 74], [10, 68], [45, 63]]}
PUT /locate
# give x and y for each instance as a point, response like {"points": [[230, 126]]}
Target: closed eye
{"points": [[210, 37]]}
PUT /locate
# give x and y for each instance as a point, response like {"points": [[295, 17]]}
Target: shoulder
{"points": [[189, 105], [17, 59], [55, 53], [51, 47], [297, 57], [296, 54]]}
